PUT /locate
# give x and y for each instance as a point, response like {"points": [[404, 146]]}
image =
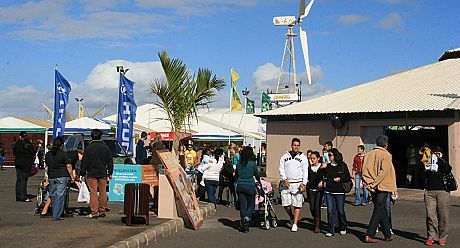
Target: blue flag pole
{"points": [[61, 98]]}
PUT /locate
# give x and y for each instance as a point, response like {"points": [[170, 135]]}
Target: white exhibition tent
{"points": [[13, 124], [213, 124], [85, 124]]}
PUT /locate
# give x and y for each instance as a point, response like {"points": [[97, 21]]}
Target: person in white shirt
{"points": [[294, 176], [211, 172]]}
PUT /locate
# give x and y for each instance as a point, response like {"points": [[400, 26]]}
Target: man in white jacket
{"points": [[294, 176]]}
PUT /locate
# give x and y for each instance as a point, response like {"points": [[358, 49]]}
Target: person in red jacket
{"points": [[356, 173]]}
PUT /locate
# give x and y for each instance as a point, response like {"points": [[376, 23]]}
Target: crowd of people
{"points": [[323, 177]]}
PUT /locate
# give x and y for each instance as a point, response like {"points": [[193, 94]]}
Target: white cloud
{"points": [[196, 7], [393, 21], [99, 89], [53, 20], [24, 101], [352, 19], [266, 77]]}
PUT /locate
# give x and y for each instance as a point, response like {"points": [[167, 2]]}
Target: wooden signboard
{"points": [[185, 194]]}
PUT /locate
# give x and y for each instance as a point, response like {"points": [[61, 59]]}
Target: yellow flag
{"points": [[235, 77], [236, 100]]}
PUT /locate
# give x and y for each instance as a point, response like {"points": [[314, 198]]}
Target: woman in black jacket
{"points": [[437, 199], [335, 174], [315, 187]]}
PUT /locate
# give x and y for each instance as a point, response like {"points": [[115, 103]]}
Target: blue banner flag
{"points": [[61, 98], [126, 113]]}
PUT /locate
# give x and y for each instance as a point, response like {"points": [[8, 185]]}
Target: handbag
{"points": [[450, 184], [448, 179], [347, 186]]}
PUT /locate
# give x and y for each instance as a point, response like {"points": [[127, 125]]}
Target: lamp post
{"points": [[79, 100]]}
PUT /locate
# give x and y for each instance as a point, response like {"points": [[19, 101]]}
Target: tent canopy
{"points": [[12, 124], [85, 124]]}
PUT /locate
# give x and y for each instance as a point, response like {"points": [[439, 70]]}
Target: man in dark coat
{"points": [[141, 151], [24, 153], [97, 166]]}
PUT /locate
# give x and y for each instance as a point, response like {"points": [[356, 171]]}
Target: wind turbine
{"points": [[289, 51]]}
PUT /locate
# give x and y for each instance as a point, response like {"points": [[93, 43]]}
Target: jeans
{"points": [[57, 193], [232, 187], [336, 204], [388, 207], [315, 203], [379, 215], [21, 184], [211, 187], [358, 200], [247, 198]]}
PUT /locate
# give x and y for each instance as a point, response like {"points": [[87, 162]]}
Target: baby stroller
{"points": [[42, 196], [264, 212]]}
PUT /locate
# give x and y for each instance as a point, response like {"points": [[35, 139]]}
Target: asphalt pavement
{"points": [[19, 227], [221, 230]]}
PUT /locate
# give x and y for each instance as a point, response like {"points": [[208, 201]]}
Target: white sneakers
{"points": [[343, 232], [294, 228], [328, 234]]}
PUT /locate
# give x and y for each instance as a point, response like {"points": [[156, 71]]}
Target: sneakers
{"points": [[442, 243], [101, 215], [391, 231], [329, 234], [289, 225], [92, 216], [343, 232], [294, 228], [429, 242]]}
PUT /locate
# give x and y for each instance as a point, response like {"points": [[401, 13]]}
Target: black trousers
{"points": [[201, 191], [316, 197], [379, 216], [21, 184]]}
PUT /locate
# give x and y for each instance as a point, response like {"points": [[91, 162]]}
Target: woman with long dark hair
{"points": [[59, 174], [315, 187], [246, 170], [335, 174]]}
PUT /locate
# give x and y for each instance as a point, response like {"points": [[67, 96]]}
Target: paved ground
{"points": [[220, 230], [20, 228]]}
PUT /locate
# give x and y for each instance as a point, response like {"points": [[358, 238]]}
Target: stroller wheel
{"points": [[274, 223], [267, 225]]}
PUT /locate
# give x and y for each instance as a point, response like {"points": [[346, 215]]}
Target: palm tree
{"points": [[181, 94]]}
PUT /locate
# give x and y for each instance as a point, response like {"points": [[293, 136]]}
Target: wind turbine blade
{"points": [[302, 8], [303, 41], [307, 10]]}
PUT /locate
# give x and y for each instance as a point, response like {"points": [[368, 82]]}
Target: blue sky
{"points": [[350, 42]]}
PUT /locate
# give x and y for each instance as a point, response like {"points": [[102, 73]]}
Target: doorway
{"points": [[399, 140]]}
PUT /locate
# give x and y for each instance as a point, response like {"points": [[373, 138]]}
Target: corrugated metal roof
{"points": [[431, 87]]}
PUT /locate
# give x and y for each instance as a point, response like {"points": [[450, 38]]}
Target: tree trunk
{"points": [[175, 144]]}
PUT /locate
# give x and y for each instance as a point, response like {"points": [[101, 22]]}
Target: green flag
{"points": [[265, 105], [265, 102], [249, 106]]}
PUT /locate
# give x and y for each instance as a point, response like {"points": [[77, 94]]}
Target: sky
{"points": [[350, 42]]}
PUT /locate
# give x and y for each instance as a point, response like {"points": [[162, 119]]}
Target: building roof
{"points": [[434, 87]]}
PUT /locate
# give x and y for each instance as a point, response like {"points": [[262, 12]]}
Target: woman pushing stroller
{"points": [[245, 172]]}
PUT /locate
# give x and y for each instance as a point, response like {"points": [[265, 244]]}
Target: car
{"points": [[79, 142]]}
